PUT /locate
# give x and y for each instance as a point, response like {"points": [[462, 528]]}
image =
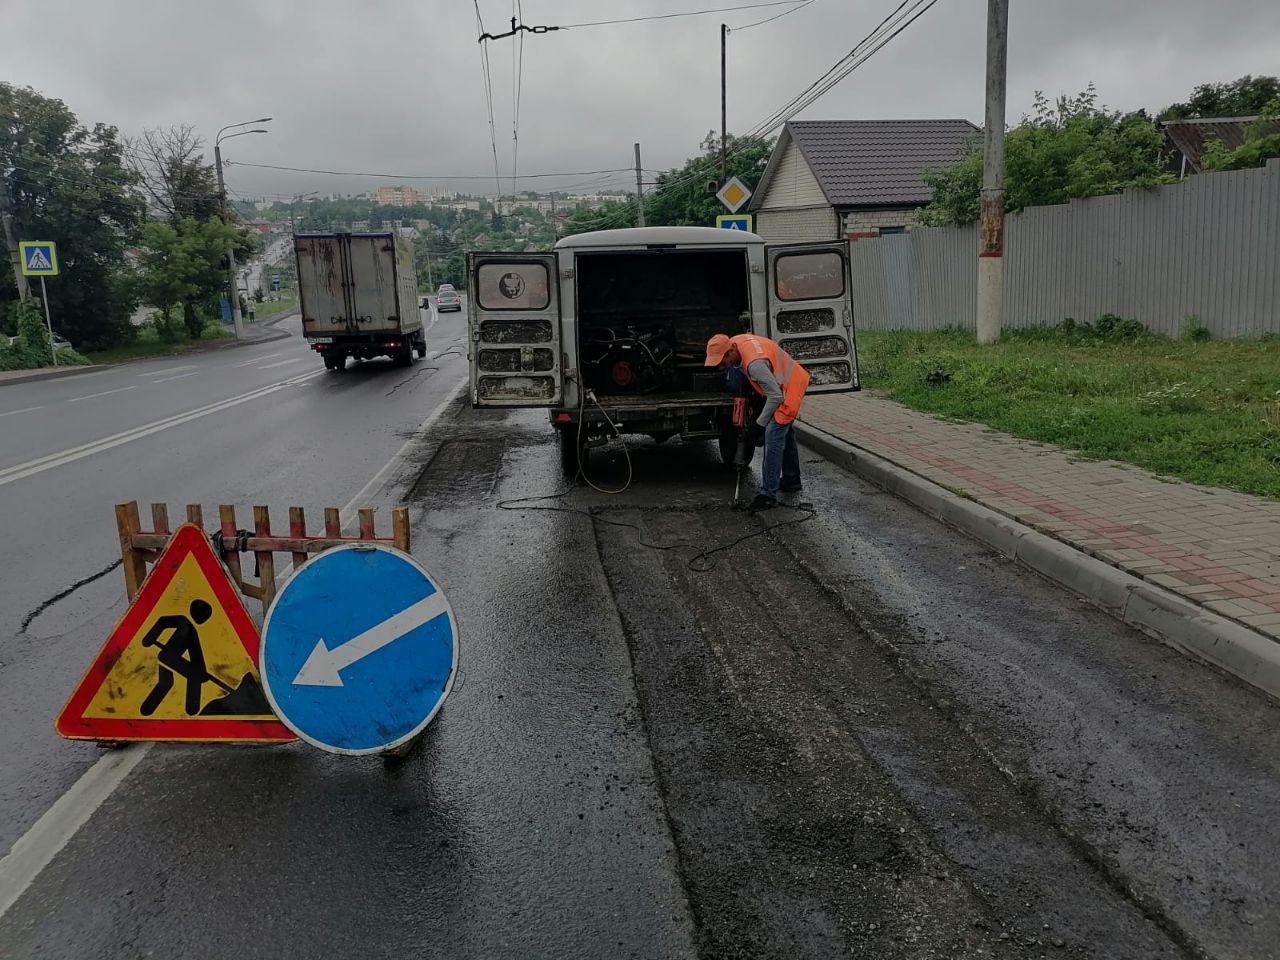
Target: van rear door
{"points": [[811, 312], [513, 312]]}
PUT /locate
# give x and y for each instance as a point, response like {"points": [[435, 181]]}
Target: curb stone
{"points": [[98, 367], [1157, 612], [57, 374]]}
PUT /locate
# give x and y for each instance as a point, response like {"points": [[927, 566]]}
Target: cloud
{"points": [[398, 86]]}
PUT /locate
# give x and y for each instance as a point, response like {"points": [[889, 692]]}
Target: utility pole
{"points": [[234, 292], [724, 131], [639, 189], [222, 194], [991, 255], [11, 239]]}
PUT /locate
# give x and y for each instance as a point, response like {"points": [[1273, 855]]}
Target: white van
{"points": [[613, 326]]}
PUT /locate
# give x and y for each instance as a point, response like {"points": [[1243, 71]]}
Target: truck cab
{"points": [[608, 331]]}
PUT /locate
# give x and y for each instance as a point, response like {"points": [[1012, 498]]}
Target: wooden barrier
{"points": [[138, 547]]}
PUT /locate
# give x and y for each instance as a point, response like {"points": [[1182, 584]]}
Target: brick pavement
{"points": [[1216, 547]]}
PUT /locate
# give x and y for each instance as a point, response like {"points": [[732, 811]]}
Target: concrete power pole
{"points": [[991, 256], [231, 253], [724, 128], [11, 239], [639, 190]]}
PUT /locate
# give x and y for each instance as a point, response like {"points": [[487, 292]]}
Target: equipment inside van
{"points": [[609, 331]]}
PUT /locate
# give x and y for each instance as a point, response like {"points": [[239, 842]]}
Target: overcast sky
{"points": [[396, 86]]}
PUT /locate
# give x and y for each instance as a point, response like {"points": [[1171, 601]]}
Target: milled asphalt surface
{"points": [[860, 735]]}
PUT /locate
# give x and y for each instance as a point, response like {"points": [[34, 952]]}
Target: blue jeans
{"points": [[781, 459]]}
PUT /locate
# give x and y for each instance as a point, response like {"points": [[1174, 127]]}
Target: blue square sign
{"points": [[39, 258], [736, 221]]}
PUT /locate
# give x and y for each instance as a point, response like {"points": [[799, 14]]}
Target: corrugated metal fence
{"points": [[1207, 247]]}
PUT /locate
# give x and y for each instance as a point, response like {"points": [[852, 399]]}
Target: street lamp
{"points": [[222, 192]]}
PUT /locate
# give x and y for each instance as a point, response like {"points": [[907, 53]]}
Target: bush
{"points": [[32, 347], [937, 370], [1112, 327], [1194, 330]]}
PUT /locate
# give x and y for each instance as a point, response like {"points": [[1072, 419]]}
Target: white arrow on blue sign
{"points": [[359, 650]]}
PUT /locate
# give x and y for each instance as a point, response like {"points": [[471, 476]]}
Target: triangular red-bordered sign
{"points": [[182, 663]]}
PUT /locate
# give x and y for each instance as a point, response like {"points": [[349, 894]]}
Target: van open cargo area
{"points": [[644, 318]]}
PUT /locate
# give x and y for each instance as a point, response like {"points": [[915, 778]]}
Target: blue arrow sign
{"points": [[359, 650]]}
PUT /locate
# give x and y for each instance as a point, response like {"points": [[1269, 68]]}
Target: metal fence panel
{"points": [[1208, 247]]}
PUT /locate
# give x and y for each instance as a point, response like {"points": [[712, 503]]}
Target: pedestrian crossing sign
{"points": [[182, 663], [736, 221], [39, 258]]}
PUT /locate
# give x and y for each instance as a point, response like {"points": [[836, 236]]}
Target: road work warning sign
{"points": [[182, 662]]}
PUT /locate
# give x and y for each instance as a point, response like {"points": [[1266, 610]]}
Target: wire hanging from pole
{"points": [[519, 89], [488, 90]]}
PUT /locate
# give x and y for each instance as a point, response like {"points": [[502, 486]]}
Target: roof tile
{"points": [[879, 162]]}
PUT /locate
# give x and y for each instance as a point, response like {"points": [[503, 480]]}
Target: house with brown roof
{"points": [[830, 179], [1185, 140]]}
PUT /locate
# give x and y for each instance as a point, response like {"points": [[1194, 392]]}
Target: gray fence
{"points": [[1207, 247]]}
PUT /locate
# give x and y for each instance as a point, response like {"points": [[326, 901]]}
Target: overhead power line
{"points": [[517, 69], [420, 176], [683, 13], [906, 13], [776, 16], [488, 93]]}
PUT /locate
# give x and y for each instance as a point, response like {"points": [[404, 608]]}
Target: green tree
{"points": [[685, 195], [70, 185], [1246, 97], [171, 170], [1065, 149], [1261, 143], [183, 265]]}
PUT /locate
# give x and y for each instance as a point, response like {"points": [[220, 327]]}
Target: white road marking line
{"points": [[49, 461], [281, 363], [245, 363], [48, 835], [43, 841], [23, 410], [181, 376], [104, 393], [156, 373]]}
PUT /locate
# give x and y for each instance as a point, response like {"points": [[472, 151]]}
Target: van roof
{"points": [[647, 236]]}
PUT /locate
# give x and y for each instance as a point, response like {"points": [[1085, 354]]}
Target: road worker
{"points": [[778, 378]]}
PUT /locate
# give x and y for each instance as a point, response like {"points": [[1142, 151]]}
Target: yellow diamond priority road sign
{"points": [[734, 194]]}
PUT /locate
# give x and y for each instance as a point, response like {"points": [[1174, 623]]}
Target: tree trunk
{"points": [[192, 319]]}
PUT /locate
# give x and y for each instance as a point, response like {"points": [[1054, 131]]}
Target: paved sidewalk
{"points": [[1215, 547]]}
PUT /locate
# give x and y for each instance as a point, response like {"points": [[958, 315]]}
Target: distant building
{"points": [[359, 226], [399, 196]]}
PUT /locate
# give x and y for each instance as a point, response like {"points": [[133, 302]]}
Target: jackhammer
{"points": [[746, 448]]}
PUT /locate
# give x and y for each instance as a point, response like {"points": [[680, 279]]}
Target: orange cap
{"points": [[717, 347]]}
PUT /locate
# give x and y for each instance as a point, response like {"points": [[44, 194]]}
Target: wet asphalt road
{"points": [[858, 735]]}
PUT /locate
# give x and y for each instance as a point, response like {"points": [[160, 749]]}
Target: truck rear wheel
{"points": [[404, 356], [573, 452], [335, 360]]}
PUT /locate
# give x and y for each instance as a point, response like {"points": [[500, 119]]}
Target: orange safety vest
{"points": [[793, 378]]}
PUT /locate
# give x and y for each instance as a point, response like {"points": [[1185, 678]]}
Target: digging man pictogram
{"points": [[182, 655]]}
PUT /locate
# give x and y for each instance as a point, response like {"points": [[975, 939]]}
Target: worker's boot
{"points": [[761, 502]]}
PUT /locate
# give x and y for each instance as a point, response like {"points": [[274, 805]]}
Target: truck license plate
{"points": [[320, 339]]}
